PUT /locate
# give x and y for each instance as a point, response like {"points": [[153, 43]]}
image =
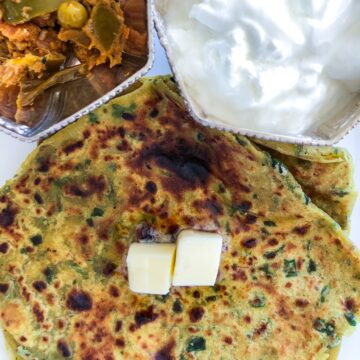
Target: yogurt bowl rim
{"points": [[353, 117]]}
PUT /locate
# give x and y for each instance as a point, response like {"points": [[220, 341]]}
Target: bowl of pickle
{"points": [[59, 60]]}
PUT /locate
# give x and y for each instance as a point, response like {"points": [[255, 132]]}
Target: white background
{"points": [[13, 152]]}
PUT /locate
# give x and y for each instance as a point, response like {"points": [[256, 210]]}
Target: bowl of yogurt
{"points": [[281, 70]]}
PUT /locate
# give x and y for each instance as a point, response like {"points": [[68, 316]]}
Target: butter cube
{"points": [[197, 258], [150, 267]]}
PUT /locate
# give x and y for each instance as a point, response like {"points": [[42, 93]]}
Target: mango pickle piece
{"points": [[25, 10], [106, 26]]}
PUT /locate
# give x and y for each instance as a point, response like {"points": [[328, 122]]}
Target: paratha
{"points": [[140, 169], [325, 174]]}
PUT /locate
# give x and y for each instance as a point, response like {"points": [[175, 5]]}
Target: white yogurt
{"points": [[281, 66]]}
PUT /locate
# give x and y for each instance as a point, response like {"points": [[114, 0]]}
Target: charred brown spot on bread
{"points": [[25, 293], [245, 206], [39, 286], [273, 242], [94, 151], [247, 319], [4, 248], [75, 190], [177, 306], [44, 162], [173, 229], [261, 329], [196, 314], [38, 198], [79, 300], [167, 352], [83, 239], [249, 243], [283, 311], [301, 230], [151, 187], [7, 215], [50, 298], [154, 113], [212, 205], [60, 324], [86, 134], [120, 248], [73, 147], [123, 146], [39, 314], [21, 185], [109, 269], [114, 291], [121, 131], [68, 166], [120, 342], [250, 218], [37, 181], [185, 166], [94, 185], [145, 316], [351, 305], [239, 274], [188, 168], [103, 229], [301, 303], [4, 288], [118, 325], [104, 135], [64, 349]]}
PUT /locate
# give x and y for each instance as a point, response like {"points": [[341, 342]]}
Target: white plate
{"points": [[13, 152]]}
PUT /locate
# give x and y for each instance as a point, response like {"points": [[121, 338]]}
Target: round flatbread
{"points": [[140, 169]]}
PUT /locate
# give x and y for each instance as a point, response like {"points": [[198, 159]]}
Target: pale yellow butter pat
{"points": [[197, 258], [150, 268]]}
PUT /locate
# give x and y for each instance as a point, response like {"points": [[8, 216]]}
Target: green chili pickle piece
{"points": [[25, 10], [106, 26], [107, 32]]}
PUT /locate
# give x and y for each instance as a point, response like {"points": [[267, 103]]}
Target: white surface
{"points": [[197, 258], [13, 152]]}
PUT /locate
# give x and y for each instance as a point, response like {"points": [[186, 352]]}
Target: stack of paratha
{"points": [[140, 169]]}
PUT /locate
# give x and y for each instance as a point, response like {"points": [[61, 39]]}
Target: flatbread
{"points": [[140, 169], [325, 173]]}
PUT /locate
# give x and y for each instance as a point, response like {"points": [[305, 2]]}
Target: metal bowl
{"points": [[63, 104], [328, 133]]}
